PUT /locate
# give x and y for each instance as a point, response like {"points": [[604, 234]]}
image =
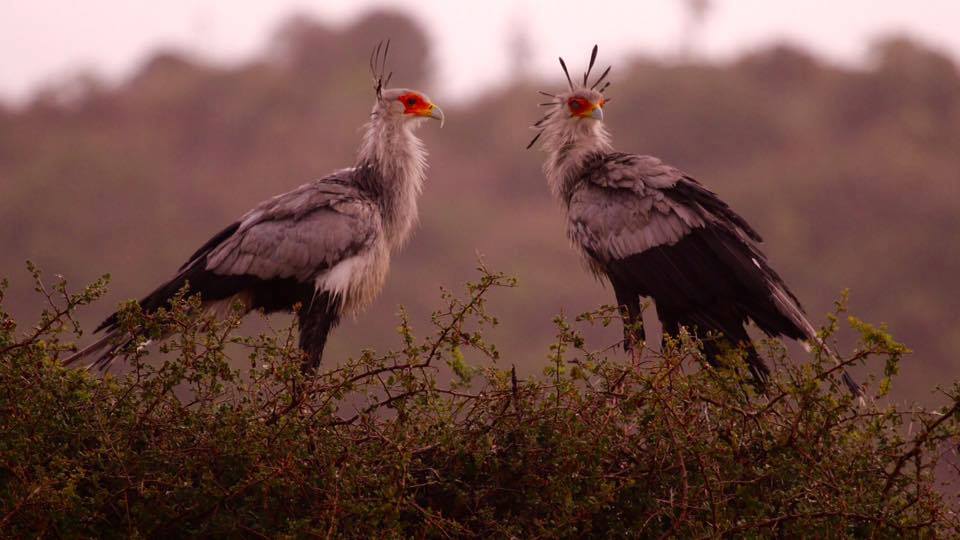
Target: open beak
{"points": [[434, 112]]}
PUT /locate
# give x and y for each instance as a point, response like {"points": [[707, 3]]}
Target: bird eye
{"points": [[411, 102], [575, 105]]}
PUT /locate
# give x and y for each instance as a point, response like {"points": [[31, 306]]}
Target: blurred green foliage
{"points": [[851, 175]]}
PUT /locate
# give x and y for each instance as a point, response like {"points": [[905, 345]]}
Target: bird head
{"points": [[406, 105], [576, 111], [402, 105]]}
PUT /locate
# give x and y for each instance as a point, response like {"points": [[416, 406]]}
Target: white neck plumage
{"points": [[568, 144], [396, 162]]}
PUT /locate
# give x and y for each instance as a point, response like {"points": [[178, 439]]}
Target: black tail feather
{"points": [[103, 351], [714, 348]]}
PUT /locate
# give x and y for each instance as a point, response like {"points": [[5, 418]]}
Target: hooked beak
{"points": [[593, 111], [597, 113], [434, 112]]}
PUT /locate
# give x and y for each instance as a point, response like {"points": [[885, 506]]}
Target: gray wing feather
{"points": [[626, 204], [300, 233], [619, 209]]}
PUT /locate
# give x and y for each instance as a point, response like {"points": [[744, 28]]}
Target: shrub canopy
{"points": [[421, 442]]}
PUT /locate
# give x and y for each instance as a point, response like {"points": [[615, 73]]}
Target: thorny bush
{"points": [[384, 446]]}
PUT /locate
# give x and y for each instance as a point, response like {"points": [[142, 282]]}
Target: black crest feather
{"points": [[538, 125], [567, 73], [593, 58], [378, 71], [601, 78], [537, 136]]}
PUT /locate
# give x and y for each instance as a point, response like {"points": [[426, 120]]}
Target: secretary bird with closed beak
{"points": [[653, 231], [325, 246]]}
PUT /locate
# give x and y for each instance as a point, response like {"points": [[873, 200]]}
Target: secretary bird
{"points": [[324, 246], [653, 231]]}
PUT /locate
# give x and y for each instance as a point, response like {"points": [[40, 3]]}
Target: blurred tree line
{"points": [[850, 174]]}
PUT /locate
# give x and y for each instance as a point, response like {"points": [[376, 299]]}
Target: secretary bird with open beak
{"points": [[653, 231], [324, 246]]}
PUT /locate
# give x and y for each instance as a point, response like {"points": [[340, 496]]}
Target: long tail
{"points": [[855, 389], [812, 338], [790, 306], [103, 351]]}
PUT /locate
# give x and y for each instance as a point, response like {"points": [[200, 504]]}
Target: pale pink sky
{"points": [[45, 39]]}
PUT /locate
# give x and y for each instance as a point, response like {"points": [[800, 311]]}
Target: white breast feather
{"points": [[356, 280], [337, 280]]}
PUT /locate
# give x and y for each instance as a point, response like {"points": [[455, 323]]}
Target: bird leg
{"points": [[636, 352], [316, 320], [634, 336]]}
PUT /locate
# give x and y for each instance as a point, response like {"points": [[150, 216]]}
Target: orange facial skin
{"points": [[582, 107], [415, 104]]}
